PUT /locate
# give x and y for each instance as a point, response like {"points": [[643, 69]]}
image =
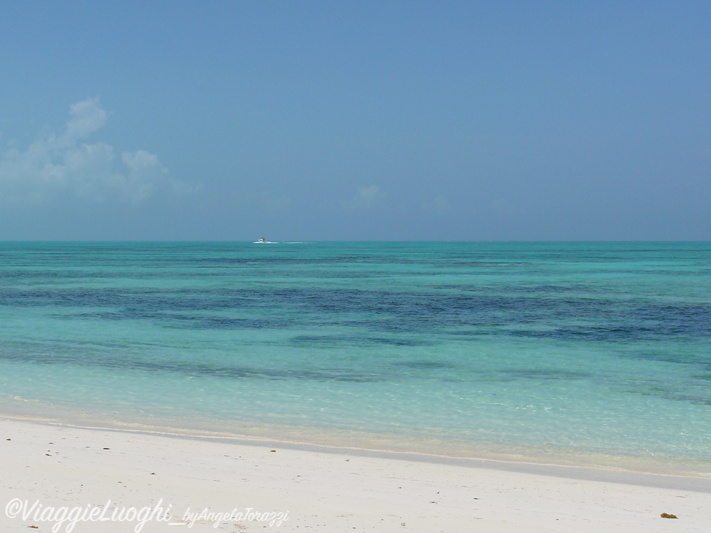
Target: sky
{"points": [[369, 120]]}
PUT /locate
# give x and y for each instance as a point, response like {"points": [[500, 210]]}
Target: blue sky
{"points": [[369, 120]]}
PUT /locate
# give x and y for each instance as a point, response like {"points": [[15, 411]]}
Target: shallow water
{"points": [[571, 350]]}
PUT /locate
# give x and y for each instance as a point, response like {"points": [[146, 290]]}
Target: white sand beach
{"points": [[127, 481]]}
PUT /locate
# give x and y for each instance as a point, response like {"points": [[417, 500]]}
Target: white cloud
{"points": [[57, 166], [144, 175], [87, 117], [365, 198]]}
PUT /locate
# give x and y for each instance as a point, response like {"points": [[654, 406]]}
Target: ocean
{"points": [[564, 353]]}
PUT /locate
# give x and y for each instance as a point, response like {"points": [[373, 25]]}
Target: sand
{"points": [[161, 483]]}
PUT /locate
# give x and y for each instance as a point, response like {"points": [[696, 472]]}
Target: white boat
{"points": [[262, 240]]}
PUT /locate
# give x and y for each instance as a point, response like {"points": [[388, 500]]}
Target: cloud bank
{"points": [[61, 165]]}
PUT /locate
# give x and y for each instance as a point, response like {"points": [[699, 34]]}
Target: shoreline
{"points": [[700, 482], [327, 489], [446, 450]]}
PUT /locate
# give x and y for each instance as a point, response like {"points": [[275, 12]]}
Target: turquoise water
{"points": [[583, 352]]}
